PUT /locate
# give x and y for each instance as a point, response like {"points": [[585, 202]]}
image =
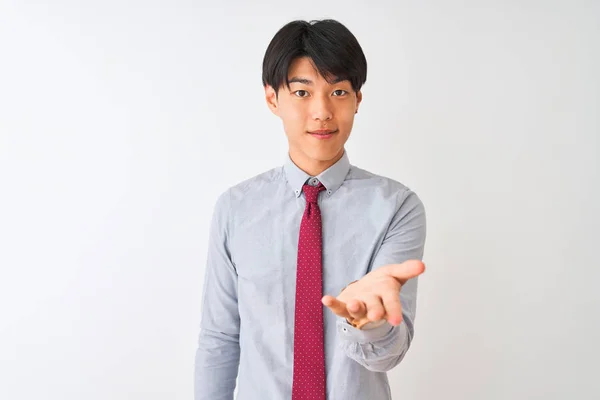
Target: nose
{"points": [[321, 108]]}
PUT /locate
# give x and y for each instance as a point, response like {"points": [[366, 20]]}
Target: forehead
{"points": [[303, 67]]}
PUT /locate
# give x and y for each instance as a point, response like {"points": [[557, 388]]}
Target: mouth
{"points": [[323, 133]]}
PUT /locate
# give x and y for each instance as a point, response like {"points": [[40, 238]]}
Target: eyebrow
{"points": [[306, 81]]}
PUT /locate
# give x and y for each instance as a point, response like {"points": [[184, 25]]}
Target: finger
{"points": [[375, 309], [357, 309], [393, 307], [338, 307], [405, 271]]}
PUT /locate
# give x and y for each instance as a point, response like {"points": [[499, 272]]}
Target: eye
{"points": [[340, 90], [301, 93]]}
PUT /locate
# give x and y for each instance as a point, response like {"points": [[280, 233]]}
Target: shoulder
{"points": [[383, 186], [256, 184]]}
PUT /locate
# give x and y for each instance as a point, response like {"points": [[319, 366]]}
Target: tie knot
{"points": [[312, 192]]}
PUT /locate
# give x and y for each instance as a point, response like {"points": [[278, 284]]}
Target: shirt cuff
{"points": [[350, 333], [373, 325]]}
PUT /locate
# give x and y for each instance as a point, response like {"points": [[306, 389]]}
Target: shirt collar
{"points": [[332, 178]]}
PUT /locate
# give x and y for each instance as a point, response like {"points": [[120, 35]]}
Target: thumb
{"points": [[405, 271], [338, 307]]}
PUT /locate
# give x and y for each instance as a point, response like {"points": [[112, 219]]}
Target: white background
{"points": [[121, 122]]}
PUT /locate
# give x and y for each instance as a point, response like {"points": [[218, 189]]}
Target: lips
{"points": [[323, 132]]}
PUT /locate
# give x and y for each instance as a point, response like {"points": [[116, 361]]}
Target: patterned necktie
{"points": [[309, 354]]}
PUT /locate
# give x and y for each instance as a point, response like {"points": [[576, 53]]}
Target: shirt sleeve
{"points": [[383, 347], [218, 352]]}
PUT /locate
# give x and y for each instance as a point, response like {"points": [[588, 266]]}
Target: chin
{"points": [[323, 154]]}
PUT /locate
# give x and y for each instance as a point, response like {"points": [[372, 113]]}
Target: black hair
{"points": [[333, 49]]}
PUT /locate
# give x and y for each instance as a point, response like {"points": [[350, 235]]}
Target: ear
{"points": [[358, 99], [271, 98]]}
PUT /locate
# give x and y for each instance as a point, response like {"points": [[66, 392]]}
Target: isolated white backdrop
{"points": [[121, 122]]}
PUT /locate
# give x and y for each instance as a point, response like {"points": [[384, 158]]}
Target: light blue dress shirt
{"points": [[247, 324]]}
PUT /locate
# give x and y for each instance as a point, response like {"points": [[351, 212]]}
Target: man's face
{"points": [[312, 104]]}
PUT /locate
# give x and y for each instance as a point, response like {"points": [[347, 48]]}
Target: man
{"points": [[315, 232]]}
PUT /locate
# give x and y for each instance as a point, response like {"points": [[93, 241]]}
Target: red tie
{"points": [[309, 354]]}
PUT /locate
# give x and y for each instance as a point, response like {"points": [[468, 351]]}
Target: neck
{"points": [[311, 166]]}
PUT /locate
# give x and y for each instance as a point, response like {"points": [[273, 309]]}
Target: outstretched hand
{"points": [[376, 296]]}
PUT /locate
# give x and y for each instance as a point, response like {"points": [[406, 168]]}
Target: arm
{"points": [[381, 346], [217, 356]]}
